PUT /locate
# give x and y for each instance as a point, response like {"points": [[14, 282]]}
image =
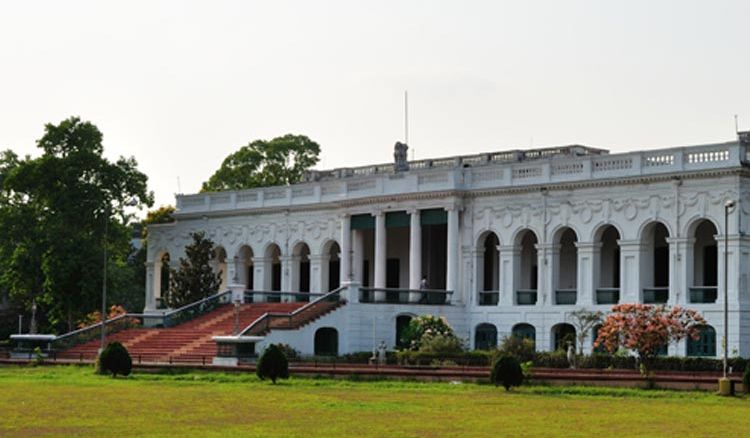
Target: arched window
{"points": [[524, 331], [705, 264], [566, 267], [526, 283], [562, 335], [485, 337], [326, 342], [705, 345], [655, 264], [488, 273], [402, 322]]}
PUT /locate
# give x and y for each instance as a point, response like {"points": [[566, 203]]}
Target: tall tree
{"points": [[262, 163], [55, 211], [194, 279]]}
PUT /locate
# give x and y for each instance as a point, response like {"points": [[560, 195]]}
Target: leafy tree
{"points": [[272, 364], [115, 359], [262, 163], [646, 328], [194, 280], [53, 213], [162, 215], [584, 320], [506, 371]]}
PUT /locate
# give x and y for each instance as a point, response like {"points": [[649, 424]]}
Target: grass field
{"points": [[72, 401]]}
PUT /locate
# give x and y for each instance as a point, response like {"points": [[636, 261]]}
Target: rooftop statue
{"points": [[401, 164]]}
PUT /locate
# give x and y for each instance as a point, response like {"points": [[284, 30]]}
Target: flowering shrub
{"points": [[646, 328], [432, 331], [96, 316]]}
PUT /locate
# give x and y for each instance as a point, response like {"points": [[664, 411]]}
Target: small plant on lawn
{"points": [[506, 371], [645, 329], [272, 364], [115, 360]]}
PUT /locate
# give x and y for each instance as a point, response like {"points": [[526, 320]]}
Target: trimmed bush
{"points": [[506, 371], [272, 364], [746, 379], [115, 360]]}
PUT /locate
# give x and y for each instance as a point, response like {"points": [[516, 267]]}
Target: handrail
{"points": [[91, 327], [195, 303], [290, 315]]}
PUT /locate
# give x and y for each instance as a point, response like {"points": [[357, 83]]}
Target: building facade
{"points": [[498, 243]]}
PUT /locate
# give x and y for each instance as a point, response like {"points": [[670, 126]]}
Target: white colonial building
{"points": [[498, 243]]}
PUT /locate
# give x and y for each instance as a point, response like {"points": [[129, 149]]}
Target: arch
{"points": [[331, 269], [563, 334], [402, 322], [488, 269], [558, 232], [219, 265], [301, 269], [654, 263], [695, 221], [607, 266], [272, 249], [705, 345], [245, 271], [601, 227], [704, 253], [521, 232], [525, 261], [272, 269], [649, 225], [485, 336], [326, 342], [565, 265], [161, 277], [483, 235], [524, 330]]}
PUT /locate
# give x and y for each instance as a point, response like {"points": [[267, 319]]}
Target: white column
{"points": [[415, 254], [319, 273], [477, 257], [287, 263], [380, 255], [150, 278], [589, 255], [510, 273], [451, 276], [630, 268], [547, 259], [234, 269], [261, 277], [358, 256], [680, 269], [346, 248]]}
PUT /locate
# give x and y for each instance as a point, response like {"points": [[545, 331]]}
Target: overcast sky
{"points": [[179, 85]]}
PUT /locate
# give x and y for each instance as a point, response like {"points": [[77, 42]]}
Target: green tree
{"points": [[53, 214], [194, 279], [262, 163], [272, 364], [584, 320]]}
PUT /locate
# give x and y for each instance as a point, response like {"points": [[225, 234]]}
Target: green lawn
{"points": [[71, 401]]}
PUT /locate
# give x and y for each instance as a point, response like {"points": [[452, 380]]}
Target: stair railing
{"points": [[288, 320], [190, 311], [93, 331]]}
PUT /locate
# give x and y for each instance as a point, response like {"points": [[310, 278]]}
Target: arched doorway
{"points": [[326, 342], [272, 274], [245, 274], [524, 331], [332, 266], [705, 264], [566, 267], [655, 263], [705, 345], [488, 274], [485, 337], [301, 270], [608, 270], [527, 269]]}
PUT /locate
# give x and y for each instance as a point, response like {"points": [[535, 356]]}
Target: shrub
{"points": [[425, 325], [746, 379], [115, 359], [291, 354], [506, 371], [441, 344], [465, 358], [522, 349], [272, 364]]}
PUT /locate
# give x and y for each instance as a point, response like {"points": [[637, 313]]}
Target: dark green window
{"points": [[435, 216], [397, 219], [705, 345], [485, 337], [363, 222]]}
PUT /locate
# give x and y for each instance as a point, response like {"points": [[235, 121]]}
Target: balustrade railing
{"points": [[186, 313], [608, 295], [655, 295], [703, 294], [372, 295], [489, 298], [94, 331], [271, 320], [566, 296], [269, 296], [526, 297]]}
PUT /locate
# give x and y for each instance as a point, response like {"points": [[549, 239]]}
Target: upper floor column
{"points": [[415, 253], [589, 266], [380, 254], [451, 277], [346, 248], [680, 265], [150, 298], [630, 270]]}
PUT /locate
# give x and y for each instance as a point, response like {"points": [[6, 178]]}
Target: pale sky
{"points": [[180, 85]]}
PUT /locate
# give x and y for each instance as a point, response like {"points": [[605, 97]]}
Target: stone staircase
{"points": [[189, 342]]}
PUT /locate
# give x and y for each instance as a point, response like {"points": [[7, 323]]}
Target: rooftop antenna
{"points": [[406, 117], [179, 190], [736, 125]]}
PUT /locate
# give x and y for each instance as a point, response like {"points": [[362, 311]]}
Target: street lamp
{"points": [[728, 206], [129, 203]]}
